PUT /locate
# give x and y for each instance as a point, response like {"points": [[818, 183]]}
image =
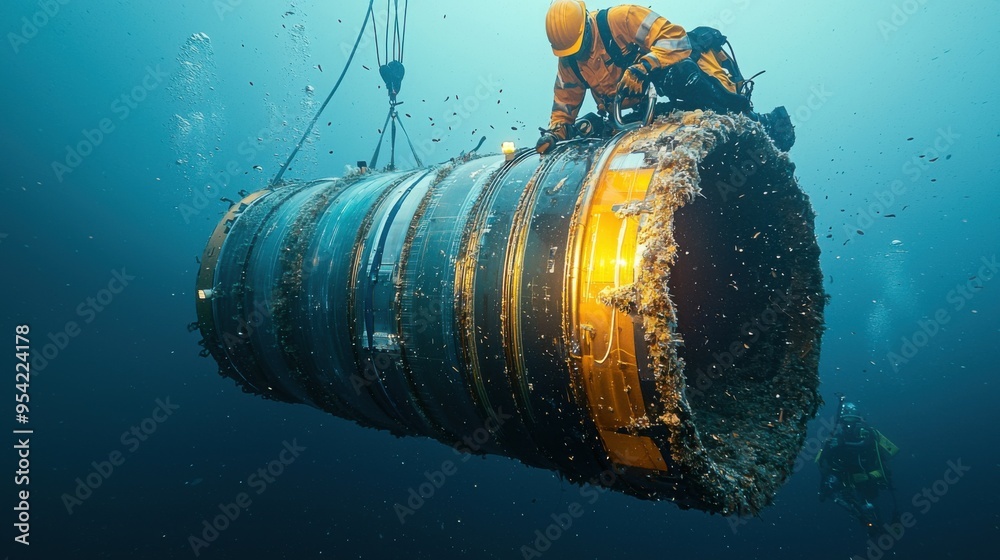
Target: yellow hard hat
{"points": [[565, 24]]}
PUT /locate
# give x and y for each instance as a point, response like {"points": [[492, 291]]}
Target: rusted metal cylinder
{"points": [[642, 313]]}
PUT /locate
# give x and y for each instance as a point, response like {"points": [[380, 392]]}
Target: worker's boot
{"points": [[778, 125]]}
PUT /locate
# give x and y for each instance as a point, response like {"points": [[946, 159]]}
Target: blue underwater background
{"points": [[124, 123]]}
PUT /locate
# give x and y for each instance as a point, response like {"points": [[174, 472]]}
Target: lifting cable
{"points": [[392, 73], [281, 172]]}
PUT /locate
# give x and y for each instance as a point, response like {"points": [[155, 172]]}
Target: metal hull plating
{"points": [[543, 303]]}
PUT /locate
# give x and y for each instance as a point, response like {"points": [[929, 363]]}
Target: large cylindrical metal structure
{"points": [[643, 313]]}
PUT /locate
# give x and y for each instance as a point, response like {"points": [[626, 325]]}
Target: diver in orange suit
{"points": [[620, 50]]}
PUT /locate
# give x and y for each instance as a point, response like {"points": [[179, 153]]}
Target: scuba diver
{"points": [[618, 52], [853, 467]]}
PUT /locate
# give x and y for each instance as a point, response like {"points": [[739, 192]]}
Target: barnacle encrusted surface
{"points": [[736, 440]]}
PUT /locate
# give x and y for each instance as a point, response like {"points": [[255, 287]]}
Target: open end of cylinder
{"points": [[737, 331]]}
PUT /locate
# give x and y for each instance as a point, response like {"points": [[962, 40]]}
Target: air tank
{"points": [[642, 313]]}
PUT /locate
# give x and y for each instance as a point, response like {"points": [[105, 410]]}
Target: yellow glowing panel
{"points": [[608, 363], [634, 451]]}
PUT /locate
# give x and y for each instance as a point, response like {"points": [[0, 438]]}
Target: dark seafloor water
{"points": [[862, 78]]}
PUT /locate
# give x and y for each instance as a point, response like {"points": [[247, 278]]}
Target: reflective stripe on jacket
{"points": [[660, 42]]}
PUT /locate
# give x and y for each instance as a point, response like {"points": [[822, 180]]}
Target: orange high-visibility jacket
{"points": [[660, 42]]}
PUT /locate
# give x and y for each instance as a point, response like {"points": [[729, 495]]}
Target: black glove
{"points": [[546, 143], [590, 125]]}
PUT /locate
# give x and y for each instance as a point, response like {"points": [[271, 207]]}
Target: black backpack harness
{"points": [[703, 39]]}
